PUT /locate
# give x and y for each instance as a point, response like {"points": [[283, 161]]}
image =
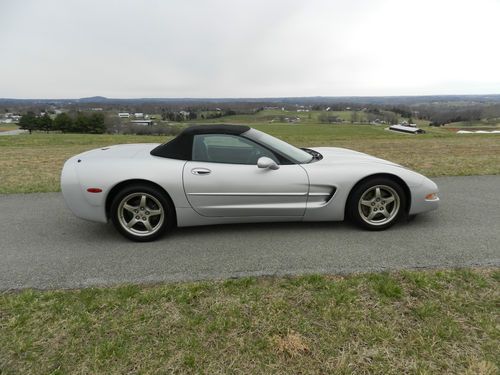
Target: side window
{"points": [[225, 148]]}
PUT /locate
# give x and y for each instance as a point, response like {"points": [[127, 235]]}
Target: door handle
{"points": [[200, 171]]}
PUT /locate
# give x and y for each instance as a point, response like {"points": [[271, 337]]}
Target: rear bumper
{"points": [[75, 198]]}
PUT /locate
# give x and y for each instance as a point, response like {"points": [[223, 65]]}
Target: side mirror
{"points": [[265, 162]]}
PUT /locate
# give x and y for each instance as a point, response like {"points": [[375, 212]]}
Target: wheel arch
{"points": [[390, 176], [116, 189]]}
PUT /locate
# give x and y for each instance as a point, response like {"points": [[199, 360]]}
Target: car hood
{"points": [[336, 155]]}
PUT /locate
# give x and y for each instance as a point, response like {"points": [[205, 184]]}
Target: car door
{"points": [[223, 180]]}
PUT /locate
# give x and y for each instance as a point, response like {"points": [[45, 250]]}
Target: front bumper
{"points": [[419, 203]]}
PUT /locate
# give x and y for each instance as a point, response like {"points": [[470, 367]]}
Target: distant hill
{"points": [[381, 100], [93, 99]]}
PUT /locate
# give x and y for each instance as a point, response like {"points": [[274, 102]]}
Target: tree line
{"points": [[75, 123]]}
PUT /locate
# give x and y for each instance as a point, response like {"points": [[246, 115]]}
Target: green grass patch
{"points": [[32, 163], [391, 323]]}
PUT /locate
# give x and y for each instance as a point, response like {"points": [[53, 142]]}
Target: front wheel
{"points": [[377, 204], [141, 213]]}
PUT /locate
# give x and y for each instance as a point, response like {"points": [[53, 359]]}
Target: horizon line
{"points": [[251, 98]]}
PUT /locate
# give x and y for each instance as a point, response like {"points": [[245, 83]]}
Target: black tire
{"points": [[387, 214], [156, 201]]}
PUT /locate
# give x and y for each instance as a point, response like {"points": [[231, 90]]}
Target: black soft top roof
{"points": [[180, 147]]}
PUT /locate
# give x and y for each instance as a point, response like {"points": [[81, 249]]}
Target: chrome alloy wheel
{"points": [[140, 214], [379, 205]]}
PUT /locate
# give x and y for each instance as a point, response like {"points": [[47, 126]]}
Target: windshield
{"points": [[295, 154]]}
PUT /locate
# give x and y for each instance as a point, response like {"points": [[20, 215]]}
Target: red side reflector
{"points": [[94, 190]]}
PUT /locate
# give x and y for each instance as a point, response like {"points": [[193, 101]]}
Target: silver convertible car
{"points": [[236, 174]]}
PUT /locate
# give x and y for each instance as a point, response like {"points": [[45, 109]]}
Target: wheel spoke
{"points": [[371, 215], [366, 203], [132, 222], [385, 213], [148, 226], [143, 201], [129, 208], [154, 212], [378, 194], [389, 199]]}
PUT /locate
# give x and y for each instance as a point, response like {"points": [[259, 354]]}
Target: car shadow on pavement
{"points": [[87, 231]]}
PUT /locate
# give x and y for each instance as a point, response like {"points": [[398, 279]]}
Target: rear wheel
{"points": [[141, 213], [377, 204]]}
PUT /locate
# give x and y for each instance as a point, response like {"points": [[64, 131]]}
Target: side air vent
{"points": [[320, 195]]}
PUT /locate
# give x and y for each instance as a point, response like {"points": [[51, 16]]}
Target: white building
{"points": [[123, 115], [139, 115], [142, 122]]}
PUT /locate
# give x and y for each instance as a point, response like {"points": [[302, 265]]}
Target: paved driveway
{"points": [[43, 246]]}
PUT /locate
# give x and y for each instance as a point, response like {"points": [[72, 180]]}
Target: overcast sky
{"points": [[248, 48]]}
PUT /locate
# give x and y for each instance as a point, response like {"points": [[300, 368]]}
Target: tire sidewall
{"points": [[352, 206], [168, 208]]}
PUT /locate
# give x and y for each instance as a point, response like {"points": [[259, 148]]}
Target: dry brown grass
{"points": [[7, 127], [453, 156], [292, 344], [32, 163]]}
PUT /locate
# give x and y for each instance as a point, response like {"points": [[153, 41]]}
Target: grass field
{"points": [[408, 322], [6, 127], [32, 163], [276, 116]]}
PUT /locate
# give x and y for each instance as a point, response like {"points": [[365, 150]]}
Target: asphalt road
{"points": [[13, 132], [43, 246]]}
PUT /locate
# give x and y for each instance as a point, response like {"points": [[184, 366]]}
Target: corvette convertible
{"points": [[235, 174]]}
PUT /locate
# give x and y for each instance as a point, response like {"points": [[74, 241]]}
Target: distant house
{"points": [[406, 129], [405, 123], [10, 117], [378, 122], [142, 122], [123, 115], [292, 119], [184, 113], [139, 115]]}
